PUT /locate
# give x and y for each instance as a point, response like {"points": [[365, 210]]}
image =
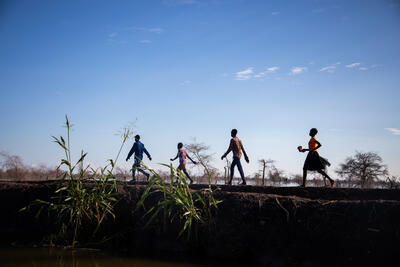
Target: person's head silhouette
{"points": [[233, 132], [313, 132], [180, 145], [137, 137]]}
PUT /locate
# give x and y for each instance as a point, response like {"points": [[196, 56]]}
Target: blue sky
{"points": [[187, 68]]}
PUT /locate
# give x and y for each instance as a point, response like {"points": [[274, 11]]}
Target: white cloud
{"points": [[275, 13], [245, 74], [272, 69], [269, 70], [259, 75], [330, 68], [353, 65], [298, 70], [112, 35], [145, 41], [363, 68], [394, 131]]}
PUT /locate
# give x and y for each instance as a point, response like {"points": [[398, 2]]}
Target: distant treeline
{"points": [[370, 165]]}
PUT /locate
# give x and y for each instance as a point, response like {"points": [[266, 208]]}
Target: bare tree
{"points": [[201, 153], [12, 164], [275, 175], [394, 182], [265, 163], [363, 167]]}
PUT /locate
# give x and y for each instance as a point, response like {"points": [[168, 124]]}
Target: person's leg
{"points": [[232, 170], [180, 167], [304, 177], [135, 165], [239, 165], [186, 173], [145, 173], [327, 176], [133, 173]]}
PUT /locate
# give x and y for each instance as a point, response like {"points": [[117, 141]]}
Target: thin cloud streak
{"points": [[353, 65], [394, 131], [298, 70], [264, 73], [330, 68], [244, 75]]}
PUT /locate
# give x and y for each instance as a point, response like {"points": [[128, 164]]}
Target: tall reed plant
{"points": [[178, 203], [85, 197]]}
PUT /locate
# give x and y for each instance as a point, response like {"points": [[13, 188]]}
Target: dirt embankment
{"points": [[257, 225]]}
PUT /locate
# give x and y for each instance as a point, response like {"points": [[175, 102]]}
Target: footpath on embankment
{"points": [[255, 225]]}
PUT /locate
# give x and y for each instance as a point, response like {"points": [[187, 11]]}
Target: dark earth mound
{"points": [[259, 226]]}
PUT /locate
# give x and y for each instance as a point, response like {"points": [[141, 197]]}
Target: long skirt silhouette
{"points": [[315, 162]]}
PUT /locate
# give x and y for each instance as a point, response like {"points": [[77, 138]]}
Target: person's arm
{"points": [[131, 152], [244, 152], [318, 145], [229, 149], [194, 162], [147, 153], [177, 155]]}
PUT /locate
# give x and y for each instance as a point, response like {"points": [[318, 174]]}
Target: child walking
{"points": [[313, 161], [236, 147], [182, 154]]}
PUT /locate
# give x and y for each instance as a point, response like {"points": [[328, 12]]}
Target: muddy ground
{"points": [[259, 226]]}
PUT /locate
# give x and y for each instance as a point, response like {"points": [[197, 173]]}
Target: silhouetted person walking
{"points": [[236, 147], [182, 154], [313, 161], [138, 149]]}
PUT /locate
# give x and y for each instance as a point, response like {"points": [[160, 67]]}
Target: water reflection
{"points": [[75, 258]]}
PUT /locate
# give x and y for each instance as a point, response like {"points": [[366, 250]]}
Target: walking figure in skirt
{"points": [[314, 162], [182, 155]]}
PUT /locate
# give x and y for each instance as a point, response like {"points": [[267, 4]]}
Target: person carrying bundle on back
{"points": [[236, 147], [182, 154]]}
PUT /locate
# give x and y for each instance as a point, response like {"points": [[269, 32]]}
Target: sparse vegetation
{"points": [[178, 203], [78, 208], [363, 168]]}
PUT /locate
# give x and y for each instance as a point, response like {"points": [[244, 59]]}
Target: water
{"points": [[33, 257]]}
